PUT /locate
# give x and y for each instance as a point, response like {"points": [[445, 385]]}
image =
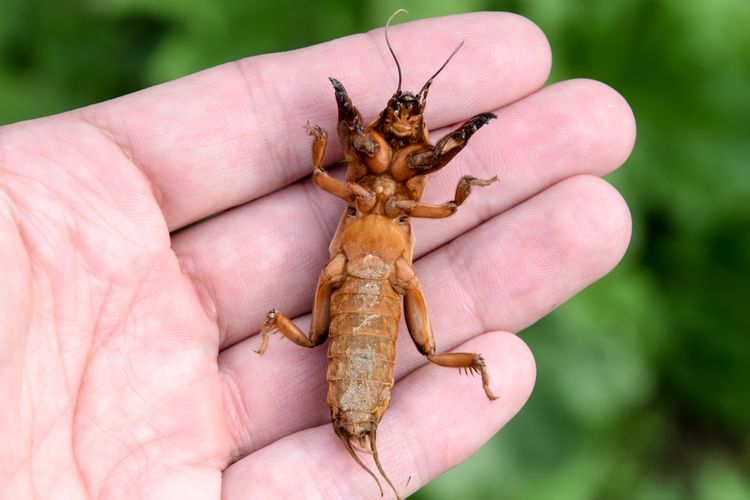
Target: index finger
{"points": [[230, 134]]}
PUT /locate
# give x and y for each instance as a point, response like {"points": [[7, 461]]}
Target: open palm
{"points": [[126, 347]]}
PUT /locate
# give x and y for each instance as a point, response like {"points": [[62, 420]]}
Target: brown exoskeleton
{"points": [[357, 299]]}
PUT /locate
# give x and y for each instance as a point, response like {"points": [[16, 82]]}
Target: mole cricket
{"points": [[357, 303]]}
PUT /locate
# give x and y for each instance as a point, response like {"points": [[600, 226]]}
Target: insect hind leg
{"points": [[418, 324], [469, 361]]}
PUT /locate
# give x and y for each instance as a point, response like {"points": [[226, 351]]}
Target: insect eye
{"points": [[351, 211]]}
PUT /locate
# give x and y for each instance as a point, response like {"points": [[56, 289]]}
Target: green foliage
{"points": [[642, 389]]}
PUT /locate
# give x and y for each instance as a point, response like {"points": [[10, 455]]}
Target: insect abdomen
{"points": [[361, 352]]}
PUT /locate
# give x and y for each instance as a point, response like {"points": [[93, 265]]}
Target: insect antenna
{"points": [[377, 463], [423, 92], [388, 43], [351, 451]]}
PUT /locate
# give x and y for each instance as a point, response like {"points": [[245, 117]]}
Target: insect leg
{"points": [[418, 324], [320, 142], [350, 128], [330, 277], [432, 160], [344, 190], [426, 210]]}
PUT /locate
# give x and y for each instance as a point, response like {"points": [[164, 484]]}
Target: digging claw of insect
{"points": [[346, 109]]}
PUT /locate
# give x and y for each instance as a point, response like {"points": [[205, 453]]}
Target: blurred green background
{"points": [[643, 378]]}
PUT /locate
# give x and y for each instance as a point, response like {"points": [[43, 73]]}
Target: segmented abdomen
{"points": [[361, 352]]}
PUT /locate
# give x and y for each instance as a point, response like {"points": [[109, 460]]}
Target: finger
{"points": [[269, 253], [437, 419], [230, 134], [503, 275]]}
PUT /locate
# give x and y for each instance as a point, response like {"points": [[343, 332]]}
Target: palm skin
{"points": [[127, 347], [111, 350]]}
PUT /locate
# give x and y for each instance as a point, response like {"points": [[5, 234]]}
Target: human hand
{"points": [[126, 351]]}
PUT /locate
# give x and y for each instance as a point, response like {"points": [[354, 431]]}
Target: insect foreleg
{"points": [[330, 278], [418, 324], [432, 160], [347, 112], [350, 128]]}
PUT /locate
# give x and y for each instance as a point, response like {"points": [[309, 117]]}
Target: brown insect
{"points": [[357, 298]]}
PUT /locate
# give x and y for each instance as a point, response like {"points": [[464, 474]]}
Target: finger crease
{"points": [[126, 150]]}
